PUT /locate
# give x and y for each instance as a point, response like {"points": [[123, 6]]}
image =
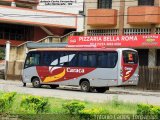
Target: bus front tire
{"points": [[102, 89], [24, 84], [54, 86], [36, 83], [85, 86]]}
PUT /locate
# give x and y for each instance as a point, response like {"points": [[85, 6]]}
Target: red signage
{"points": [[152, 40]]}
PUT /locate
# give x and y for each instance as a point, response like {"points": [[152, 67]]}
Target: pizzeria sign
{"points": [[152, 40]]}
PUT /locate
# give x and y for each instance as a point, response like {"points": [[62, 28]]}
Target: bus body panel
{"points": [[98, 77], [29, 73], [133, 80], [128, 71]]}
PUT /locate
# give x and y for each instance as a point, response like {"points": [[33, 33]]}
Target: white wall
{"points": [[19, 15], [67, 7], [74, 7]]}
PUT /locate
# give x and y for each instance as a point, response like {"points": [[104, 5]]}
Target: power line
{"points": [[70, 16]]}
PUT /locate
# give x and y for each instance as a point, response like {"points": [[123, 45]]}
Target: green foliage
{"points": [[90, 113], [78, 109], [143, 109], [2, 105], [2, 54], [35, 104], [156, 111], [147, 110], [74, 107], [115, 101], [6, 101]]}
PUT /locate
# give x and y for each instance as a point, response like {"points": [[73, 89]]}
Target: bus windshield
{"points": [[33, 59], [130, 57]]}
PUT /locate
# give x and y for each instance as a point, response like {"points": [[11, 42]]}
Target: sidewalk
{"points": [[135, 91], [74, 93]]}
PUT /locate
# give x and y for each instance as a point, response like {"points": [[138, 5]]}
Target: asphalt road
{"points": [[126, 95]]}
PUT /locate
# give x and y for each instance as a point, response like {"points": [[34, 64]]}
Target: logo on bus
{"points": [[75, 70], [128, 71]]}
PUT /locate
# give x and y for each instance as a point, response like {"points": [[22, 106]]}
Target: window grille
{"points": [[136, 31], [146, 2], [157, 31], [104, 3], [103, 32]]}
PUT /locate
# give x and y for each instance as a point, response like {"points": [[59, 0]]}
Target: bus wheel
{"points": [[85, 86], [102, 89], [54, 86], [36, 83]]}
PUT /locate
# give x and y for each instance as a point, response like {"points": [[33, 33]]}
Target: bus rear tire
{"points": [[54, 86], [85, 86], [36, 83], [102, 89]]}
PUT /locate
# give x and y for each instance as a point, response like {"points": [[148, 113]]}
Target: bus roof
{"points": [[80, 49], [74, 49]]}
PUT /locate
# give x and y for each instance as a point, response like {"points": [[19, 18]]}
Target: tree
{"points": [[2, 54]]}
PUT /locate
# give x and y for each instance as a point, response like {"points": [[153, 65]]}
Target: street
{"points": [[126, 95]]}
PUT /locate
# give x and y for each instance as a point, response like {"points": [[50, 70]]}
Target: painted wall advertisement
{"points": [[115, 41]]}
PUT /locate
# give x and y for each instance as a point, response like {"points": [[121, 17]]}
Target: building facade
{"points": [[37, 21], [65, 6], [25, 20], [130, 17]]}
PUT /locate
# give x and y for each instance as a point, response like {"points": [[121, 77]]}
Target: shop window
{"points": [[158, 57], [104, 3], [143, 57]]}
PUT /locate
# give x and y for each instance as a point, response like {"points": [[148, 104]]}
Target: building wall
{"points": [[150, 23], [39, 33], [92, 4], [13, 53], [67, 6], [56, 31]]}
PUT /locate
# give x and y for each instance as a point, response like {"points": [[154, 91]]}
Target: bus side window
{"points": [[63, 58], [102, 60], [82, 60], [107, 59], [92, 60], [50, 58], [73, 59], [112, 59]]}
